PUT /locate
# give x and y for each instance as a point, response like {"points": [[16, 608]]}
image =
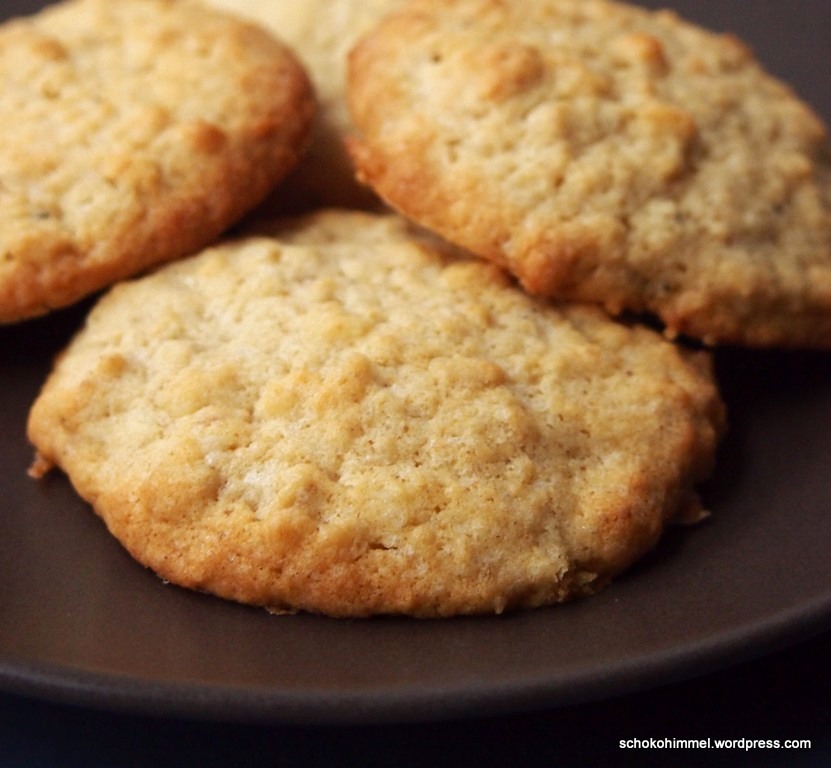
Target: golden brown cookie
{"points": [[605, 153], [134, 132], [321, 32], [341, 418]]}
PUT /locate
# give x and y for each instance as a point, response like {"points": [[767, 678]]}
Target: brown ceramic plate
{"points": [[81, 622]]}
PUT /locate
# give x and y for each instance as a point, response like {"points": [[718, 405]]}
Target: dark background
{"points": [[784, 696]]}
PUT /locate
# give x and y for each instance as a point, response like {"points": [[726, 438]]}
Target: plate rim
{"points": [[59, 683]]}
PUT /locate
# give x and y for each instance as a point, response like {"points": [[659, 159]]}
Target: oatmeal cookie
{"points": [[321, 32], [134, 132], [338, 417], [605, 153]]}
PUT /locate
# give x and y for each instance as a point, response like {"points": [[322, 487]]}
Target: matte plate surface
{"points": [[81, 622]]}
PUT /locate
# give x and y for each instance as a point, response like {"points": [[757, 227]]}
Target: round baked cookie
{"points": [[134, 132], [605, 153], [340, 418], [321, 32]]}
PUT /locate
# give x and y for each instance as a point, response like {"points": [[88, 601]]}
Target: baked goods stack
{"points": [[442, 347]]}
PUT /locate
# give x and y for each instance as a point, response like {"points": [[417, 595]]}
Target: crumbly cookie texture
{"points": [[321, 32], [605, 153], [134, 132], [342, 419]]}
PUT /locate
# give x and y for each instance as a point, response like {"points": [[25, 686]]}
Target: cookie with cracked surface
{"points": [[134, 132], [321, 32], [340, 418], [605, 153]]}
